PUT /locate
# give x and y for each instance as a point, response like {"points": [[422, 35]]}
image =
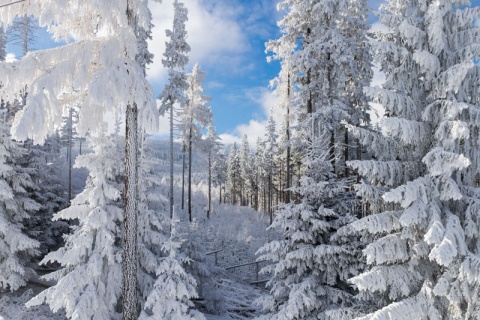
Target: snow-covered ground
{"points": [[238, 231]]}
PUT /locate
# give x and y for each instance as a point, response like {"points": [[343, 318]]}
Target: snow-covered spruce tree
{"points": [[174, 288], [16, 209], [106, 40], [176, 59], [153, 221], [269, 153], [211, 146], [44, 165], [233, 174], [88, 285], [193, 117], [245, 172], [260, 199], [219, 172], [312, 264], [421, 186]]}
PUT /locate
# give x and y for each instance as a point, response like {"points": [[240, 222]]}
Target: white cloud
{"points": [[214, 35], [10, 57], [255, 128]]}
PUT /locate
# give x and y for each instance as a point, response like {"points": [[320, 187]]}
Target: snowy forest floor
{"points": [[238, 232]]}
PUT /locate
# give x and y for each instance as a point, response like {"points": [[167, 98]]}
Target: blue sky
{"points": [[228, 41]]}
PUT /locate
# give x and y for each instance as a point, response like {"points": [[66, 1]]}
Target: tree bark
{"points": [[171, 162], [332, 149], [69, 152], [345, 155], [130, 219], [190, 176], [209, 184], [183, 176], [287, 200]]}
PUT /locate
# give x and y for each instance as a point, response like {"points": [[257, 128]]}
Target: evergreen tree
{"points": [[16, 208], [312, 265], [174, 288], [175, 60], [211, 146], [421, 187], [246, 182], [43, 164], [194, 116], [233, 174], [153, 221], [115, 82], [260, 169], [87, 286], [219, 172], [269, 154]]}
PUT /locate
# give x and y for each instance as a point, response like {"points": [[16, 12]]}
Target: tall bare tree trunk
{"points": [[130, 256], [209, 184], [288, 194], [69, 152], [234, 193], [270, 211], [171, 162], [183, 176], [332, 149], [190, 175], [345, 153]]}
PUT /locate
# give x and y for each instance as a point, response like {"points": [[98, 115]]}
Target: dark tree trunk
{"points": [[69, 152], [183, 176], [288, 178], [190, 176], [345, 155], [209, 184], [130, 256]]}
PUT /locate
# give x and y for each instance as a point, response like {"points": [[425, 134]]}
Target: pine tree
{"points": [[312, 264], [245, 171], [174, 288], [193, 117], [269, 154], [219, 172], [153, 221], [233, 174], [16, 209], [43, 164], [88, 285], [176, 59], [115, 82], [421, 186], [211, 146]]}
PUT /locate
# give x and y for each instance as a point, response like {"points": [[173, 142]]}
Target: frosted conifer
{"points": [[176, 59], [88, 285], [421, 186]]}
